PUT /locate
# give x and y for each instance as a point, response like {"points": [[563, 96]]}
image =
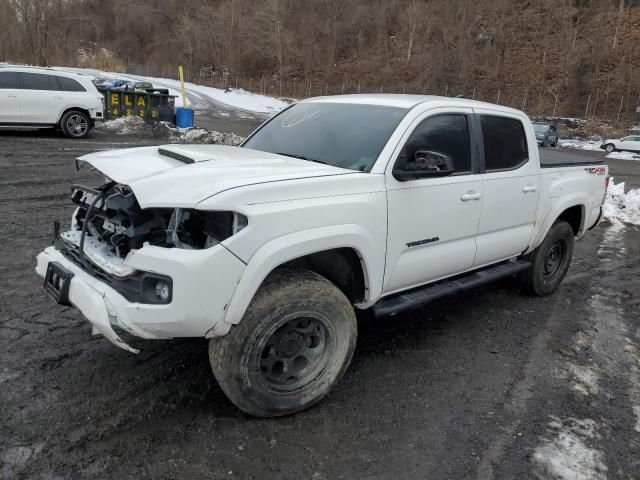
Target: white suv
{"points": [[45, 98], [628, 144]]}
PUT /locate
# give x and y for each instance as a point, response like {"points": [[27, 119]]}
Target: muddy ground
{"points": [[489, 384]]}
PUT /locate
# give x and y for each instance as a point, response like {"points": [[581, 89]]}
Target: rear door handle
{"points": [[12, 96], [529, 188], [471, 196], [57, 97]]}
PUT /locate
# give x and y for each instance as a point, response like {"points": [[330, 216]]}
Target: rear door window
{"points": [[505, 143], [8, 80], [70, 85], [37, 81]]}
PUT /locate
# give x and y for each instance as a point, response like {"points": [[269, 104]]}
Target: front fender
{"points": [[298, 244]]}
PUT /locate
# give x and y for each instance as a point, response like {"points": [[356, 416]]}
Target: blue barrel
{"points": [[184, 117]]}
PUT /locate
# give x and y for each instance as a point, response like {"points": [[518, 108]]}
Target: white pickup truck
{"points": [[380, 202]]}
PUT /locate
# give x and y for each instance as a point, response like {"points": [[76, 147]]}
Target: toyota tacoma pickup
{"points": [[336, 204]]}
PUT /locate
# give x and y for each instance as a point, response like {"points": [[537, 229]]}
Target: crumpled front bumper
{"points": [[204, 283]]}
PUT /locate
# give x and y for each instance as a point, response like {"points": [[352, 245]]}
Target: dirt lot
{"points": [[490, 384]]}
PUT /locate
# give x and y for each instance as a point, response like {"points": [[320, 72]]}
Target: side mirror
{"points": [[424, 163]]}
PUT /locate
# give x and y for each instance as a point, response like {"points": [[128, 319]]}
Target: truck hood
{"points": [[184, 175]]}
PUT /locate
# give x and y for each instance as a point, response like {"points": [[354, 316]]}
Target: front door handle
{"points": [[472, 195], [57, 97], [12, 96], [529, 188]]}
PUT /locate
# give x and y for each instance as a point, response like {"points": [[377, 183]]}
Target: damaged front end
{"points": [[109, 225]]}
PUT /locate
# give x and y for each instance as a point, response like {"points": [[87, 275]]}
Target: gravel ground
{"points": [[489, 384]]}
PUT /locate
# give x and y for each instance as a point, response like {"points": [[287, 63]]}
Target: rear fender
{"points": [[576, 199]]}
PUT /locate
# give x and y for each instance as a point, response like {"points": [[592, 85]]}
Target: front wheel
{"points": [[293, 344], [75, 124], [550, 261], [609, 147]]}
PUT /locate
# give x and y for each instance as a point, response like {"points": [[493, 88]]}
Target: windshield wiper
{"points": [[302, 157]]}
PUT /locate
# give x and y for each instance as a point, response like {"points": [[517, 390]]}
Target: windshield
{"points": [[540, 128], [339, 134]]}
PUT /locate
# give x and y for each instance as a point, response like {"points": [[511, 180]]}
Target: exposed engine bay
{"points": [[109, 217]]}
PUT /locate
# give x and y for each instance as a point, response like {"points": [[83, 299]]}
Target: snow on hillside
{"points": [[237, 98]]}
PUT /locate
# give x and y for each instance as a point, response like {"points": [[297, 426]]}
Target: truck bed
{"points": [[558, 157]]}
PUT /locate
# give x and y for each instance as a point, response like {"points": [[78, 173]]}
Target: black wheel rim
{"points": [[77, 125], [554, 259], [295, 354]]}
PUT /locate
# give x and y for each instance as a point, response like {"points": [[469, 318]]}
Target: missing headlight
{"points": [[118, 222], [202, 229]]}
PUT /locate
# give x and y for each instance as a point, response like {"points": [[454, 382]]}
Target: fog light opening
{"points": [[162, 290]]}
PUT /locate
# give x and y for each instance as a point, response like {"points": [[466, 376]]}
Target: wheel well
{"points": [[83, 110], [341, 266], [573, 216]]}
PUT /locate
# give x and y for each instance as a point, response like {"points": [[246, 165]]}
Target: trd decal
{"points": [[596, 170], [422, 242]]}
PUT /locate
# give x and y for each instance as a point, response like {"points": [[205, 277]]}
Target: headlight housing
{"points": [[197, 229]]}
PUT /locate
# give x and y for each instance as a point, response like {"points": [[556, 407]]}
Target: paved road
{"points": [[489, 384]]}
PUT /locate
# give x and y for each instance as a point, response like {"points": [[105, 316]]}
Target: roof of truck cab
{"points": [[406, 101]]}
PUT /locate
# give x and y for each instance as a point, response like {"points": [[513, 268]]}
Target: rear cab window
{"points": [[505, 143]]}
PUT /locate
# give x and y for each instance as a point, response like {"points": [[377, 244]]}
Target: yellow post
{"points": [[184, 98]]}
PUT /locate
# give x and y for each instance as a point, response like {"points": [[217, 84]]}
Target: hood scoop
{"points": [[176, 155]]}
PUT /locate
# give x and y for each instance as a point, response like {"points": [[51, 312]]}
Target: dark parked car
{"points": [[546, 134]]}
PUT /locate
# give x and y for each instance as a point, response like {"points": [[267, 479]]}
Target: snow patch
{"points": [[581, 144], [125, 125], [636, 412], [200, 135], [624, 156], [567, 455], [620, 207], [586, 379], [238, 98]]}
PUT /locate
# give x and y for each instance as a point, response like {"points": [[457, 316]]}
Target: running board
{"points": [[421, 296]]}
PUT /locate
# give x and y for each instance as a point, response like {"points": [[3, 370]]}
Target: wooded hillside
{"points": [[584, 54]]}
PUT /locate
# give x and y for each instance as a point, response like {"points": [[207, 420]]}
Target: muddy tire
{"points": [[75, 124], [550, 261], [609, 148], [293, 344]]}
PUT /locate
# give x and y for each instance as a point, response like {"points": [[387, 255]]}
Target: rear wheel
{"points": [[550, 261], [75, 124], [609, 147], [293, 344]]}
